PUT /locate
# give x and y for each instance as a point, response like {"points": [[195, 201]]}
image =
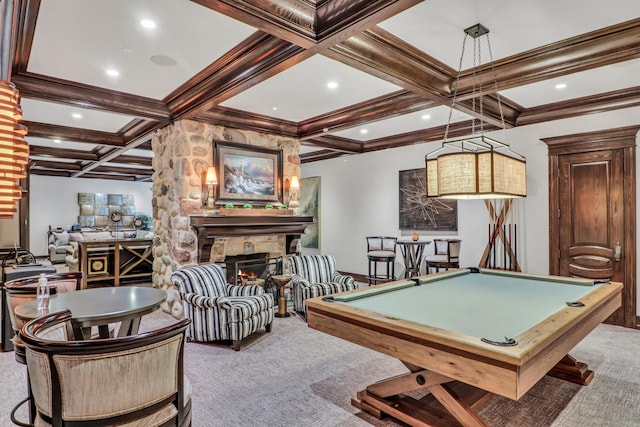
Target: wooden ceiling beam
{"points": [[48, 172], [338, 20], [124, 171], [60, 153], [45, 164], [133, 160], [139, 127], [303, 24], [225, 116], [290, 20], [623, 98], [336, 143], [45, 88], [599, 48], [490, 112], [23, 32], [456, 130], [65, 133], [319, 155], [382, 107], [257, 58], [381, 54], [113, 176], [269, 52]]}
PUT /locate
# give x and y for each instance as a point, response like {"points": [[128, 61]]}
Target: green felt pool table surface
{"points": [[487, 304]]}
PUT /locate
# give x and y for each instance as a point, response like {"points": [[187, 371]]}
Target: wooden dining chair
{"points": [[446, 254]]}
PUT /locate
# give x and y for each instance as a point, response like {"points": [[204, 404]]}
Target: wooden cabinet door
{"points": [[592, 217]]}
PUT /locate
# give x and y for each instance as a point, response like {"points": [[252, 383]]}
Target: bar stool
{"points": [[381, 249], [446, 254]]}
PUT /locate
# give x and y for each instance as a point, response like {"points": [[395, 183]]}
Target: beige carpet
{"points": [[296, 376]]}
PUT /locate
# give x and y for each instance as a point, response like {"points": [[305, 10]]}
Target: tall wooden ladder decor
{"points": [[501, 251]]}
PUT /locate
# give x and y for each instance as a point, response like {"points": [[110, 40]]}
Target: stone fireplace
{"points": [[182, 152]]}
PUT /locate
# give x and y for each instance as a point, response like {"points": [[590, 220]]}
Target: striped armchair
{"points": [[314, 276], [218, 310]]}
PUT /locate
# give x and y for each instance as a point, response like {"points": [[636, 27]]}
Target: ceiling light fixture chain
{"points": [[477, 53], [455, 90], [494, 74]]}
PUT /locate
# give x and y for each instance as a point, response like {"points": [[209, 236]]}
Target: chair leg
{"points": [[375, 273], [236, 345], [15, 409], [268, 327], [32, 402]]}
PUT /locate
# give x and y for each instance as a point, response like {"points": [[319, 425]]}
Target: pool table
{"points": [[464, 335]]}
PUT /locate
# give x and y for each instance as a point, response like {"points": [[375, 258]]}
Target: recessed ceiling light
{"points": [[113, 72], [426, 116], [127, 50], [561, 86], [364, 131], [274, 108], [163, 60], [76, 115], [148, 23], [57, 141], [332, 85]]}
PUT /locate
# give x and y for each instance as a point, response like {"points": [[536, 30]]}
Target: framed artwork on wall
{"points": [[418, 212], [248, 174], [310, 205], [99, 209]]}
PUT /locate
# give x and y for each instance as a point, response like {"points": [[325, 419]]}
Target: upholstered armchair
{"points": [[220, 311], [314, 276], [136, 380]]}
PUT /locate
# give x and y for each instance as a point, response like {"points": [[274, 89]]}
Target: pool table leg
{"points": [[569, 369], [388, 397]]}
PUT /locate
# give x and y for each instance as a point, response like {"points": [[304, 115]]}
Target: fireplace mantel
{"points": [[209, 227]]}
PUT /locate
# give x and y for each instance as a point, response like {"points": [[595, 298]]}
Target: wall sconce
{"points": [[210, 181], [294, 192]]}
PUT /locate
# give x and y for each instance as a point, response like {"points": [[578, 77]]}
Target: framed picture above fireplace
{"points": [[248, 174]]}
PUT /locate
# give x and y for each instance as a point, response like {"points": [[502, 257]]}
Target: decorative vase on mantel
{"points": [[414, 236]]}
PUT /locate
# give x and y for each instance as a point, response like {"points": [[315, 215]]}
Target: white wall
{"points": [[359, 197], [53, 201]]}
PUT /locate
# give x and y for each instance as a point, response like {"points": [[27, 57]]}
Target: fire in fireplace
{"points": [[251, 268]]}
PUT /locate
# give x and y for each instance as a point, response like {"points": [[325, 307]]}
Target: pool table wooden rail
{"points": [[507, 371]]}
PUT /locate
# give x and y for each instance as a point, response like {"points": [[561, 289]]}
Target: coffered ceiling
{"points": [[345, 76]]}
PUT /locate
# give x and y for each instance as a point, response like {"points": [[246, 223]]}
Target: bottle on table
{"points": [[43, 293]]}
